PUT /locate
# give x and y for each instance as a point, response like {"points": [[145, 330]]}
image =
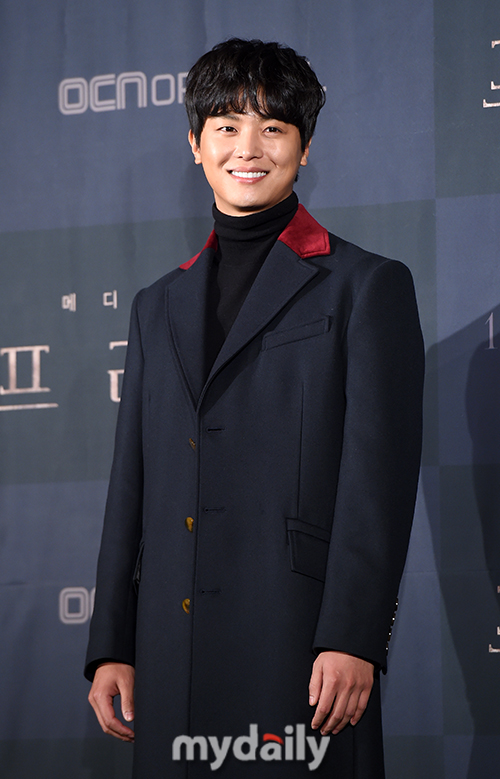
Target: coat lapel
{"points": [[284, 273], [281, 277], [186, 301]]}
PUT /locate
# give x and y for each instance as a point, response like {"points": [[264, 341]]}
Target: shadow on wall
{"points": [[464, 378]]}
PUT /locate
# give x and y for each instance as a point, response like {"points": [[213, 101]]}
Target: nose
{"points": [[248, 146]]}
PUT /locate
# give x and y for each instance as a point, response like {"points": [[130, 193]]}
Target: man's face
{"points": [[250, 161]]}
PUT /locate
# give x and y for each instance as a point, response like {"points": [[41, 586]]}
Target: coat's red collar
{"points": [[303, 235]]}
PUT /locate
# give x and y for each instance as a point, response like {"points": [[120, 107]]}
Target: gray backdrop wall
{"points": [[97, 180]]}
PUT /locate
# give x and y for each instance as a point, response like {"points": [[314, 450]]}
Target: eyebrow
{"points": [[237, 117], [233, 117]]}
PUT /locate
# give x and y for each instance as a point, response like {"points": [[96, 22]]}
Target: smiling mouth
{"points": [[249, 174]]}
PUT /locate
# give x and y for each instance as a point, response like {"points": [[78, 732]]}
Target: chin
{"points": [[259, 205]]}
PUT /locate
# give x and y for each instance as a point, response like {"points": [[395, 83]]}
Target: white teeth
{"points": [[244, 174]]}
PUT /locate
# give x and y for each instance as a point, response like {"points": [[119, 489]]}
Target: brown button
{"points": [[193, 443], [189, 523], [186, 603]]}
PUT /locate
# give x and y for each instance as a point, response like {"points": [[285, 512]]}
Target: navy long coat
{"points": [[262, 513]]}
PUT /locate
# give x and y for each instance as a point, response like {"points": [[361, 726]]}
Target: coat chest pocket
{"points": [[308, 546], [280, 337]]}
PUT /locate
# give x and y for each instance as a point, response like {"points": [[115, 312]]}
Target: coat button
{"points": [[189, 523], [186, 603], [192, 443]]}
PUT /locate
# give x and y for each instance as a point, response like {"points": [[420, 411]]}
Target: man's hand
{"points": [[113, 679], [340, 686]]}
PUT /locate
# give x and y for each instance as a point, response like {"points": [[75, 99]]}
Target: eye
{"points": [[227, 129], [273, 129]]}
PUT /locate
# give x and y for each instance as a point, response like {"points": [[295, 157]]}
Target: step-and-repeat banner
{"points": [[99, 197]]}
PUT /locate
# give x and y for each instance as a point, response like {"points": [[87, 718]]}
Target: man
{"points": [[265, 466]]}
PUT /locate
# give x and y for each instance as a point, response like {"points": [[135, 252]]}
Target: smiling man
{"points": [[265, 465], [250, 161]]}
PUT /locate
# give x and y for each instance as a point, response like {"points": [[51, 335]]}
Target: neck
{"points": [[260, 225]]}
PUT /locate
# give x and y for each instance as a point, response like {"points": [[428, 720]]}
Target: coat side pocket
{"points": [[137, 570], [308, 546]]}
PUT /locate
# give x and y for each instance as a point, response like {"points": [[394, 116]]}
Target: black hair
{"points": [[273, 79]]}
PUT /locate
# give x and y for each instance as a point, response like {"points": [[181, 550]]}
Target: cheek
{"points": [[209, 174], [214, 175], [288, 160]]}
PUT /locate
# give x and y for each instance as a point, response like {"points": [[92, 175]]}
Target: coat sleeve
{"points": [[112, 629], [379, 465]]}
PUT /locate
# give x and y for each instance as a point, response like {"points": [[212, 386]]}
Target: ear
{"points": [[194, 148], [305, 153]]}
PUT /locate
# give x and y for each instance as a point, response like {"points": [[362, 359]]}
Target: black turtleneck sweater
{"points": [[243, 244]]}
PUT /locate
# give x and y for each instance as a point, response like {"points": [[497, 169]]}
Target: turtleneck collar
{"points": [[255, 227]]}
